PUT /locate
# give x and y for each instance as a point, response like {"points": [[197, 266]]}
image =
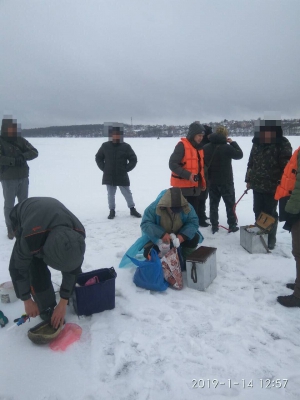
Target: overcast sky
{"points": [[69, 62]]}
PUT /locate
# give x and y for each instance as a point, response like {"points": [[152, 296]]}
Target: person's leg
{"points": [[193, 200], [293, 300], [189, 245], [201, 208], [126, 192], [228, 195], [270, 207], [258, 203], [111, 193], [22, 191], [214, 201], [41, 286], [9, 187], [296, 253]]}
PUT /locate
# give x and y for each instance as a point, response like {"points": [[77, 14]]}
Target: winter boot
{"points": [[289, 301], [214, 229], [134, 213], [112, 214], [203, 223], [10, 233], [233, 228], [272, 236], [291, 286]]}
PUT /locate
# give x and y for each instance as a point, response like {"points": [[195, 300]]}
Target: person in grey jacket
{"points": [[15, 151], [47, 234]]}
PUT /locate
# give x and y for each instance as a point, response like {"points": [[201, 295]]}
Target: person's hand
{"points": [[229, 140], [59, 313], [248, 185], [192, 179], [166, 238], [31, 308], [19, 160]]}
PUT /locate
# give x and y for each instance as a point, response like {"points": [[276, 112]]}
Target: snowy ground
{"points": [[156, 345]]}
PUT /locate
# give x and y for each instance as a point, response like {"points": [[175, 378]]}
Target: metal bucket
{"points": [[7, 292]]}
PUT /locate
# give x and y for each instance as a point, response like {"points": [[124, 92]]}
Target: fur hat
{"points": [[222, 129], [64, 249]]}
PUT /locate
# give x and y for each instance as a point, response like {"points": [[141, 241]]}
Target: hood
{"points": [[173, 197], [217, 138], [64, 249], [194, 129]]}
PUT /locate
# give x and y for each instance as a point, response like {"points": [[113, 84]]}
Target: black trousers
{"points": [[265, 202], [227, 193], [41, 286]]}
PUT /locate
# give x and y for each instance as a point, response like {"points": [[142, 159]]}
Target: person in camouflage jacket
{"points": [[268, 157]]}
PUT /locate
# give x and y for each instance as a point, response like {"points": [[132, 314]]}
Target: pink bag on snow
{"points": [[68, 335]]}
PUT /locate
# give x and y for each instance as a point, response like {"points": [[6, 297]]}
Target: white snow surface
{"points": [[154, 345]]}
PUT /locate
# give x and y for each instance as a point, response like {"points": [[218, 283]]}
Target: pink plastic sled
{"points": [[70, 334]]}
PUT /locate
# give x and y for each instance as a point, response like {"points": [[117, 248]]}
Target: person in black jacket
{"points": [[47, 234], [116, 158], [218, 155], [15, 151]]}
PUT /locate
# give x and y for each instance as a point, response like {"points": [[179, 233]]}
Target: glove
{"points": [[163, 248], [175, 240], [19, 160]]}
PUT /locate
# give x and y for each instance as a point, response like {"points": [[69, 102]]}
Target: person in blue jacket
{"points": [[169, 220]]}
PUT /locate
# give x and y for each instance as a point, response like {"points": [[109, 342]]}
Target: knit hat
{"points": [[221, 129], [64, 249], [194, 129]]}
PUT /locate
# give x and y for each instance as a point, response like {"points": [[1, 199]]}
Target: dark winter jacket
{"points": [[116, 160], [10, 148], [33, 220], [218, 155], [266, 164]]}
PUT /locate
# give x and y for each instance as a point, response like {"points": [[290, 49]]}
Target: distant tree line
{"points": [[236, 128]]}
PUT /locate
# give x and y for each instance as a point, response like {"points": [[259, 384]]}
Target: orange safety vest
{"points": [[288, 179], [191, 160]]}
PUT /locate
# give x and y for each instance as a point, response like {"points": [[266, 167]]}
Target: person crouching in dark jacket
{"points": [[47, 234], [218, 155], [116, 158]]}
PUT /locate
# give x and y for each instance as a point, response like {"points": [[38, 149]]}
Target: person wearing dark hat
{"points": [[269, 155], [15, 151], [187, 166], [47, 234], [218, 155]]}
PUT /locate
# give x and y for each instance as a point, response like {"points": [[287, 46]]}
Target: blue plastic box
{"points": [[95, 298]]}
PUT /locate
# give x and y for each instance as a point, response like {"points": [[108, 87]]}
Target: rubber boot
{"points": [[272, 236]]}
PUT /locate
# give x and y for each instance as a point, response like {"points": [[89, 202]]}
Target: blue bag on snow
{"points": [[149, 274]]}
